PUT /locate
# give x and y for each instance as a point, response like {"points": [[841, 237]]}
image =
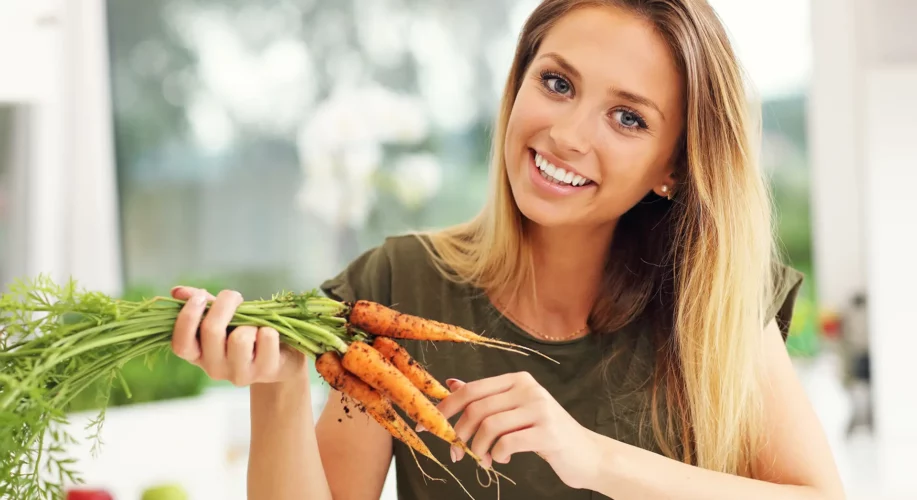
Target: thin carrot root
{"points": [[372, 367], [500, 344], [420, 377], [500, 474], [420, 468], [383, 321]]}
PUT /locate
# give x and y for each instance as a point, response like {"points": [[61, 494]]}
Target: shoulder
{"points": [[373, 273], [785, 290]]}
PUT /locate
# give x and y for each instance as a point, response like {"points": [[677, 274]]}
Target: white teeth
{"points": [[558, 175]]}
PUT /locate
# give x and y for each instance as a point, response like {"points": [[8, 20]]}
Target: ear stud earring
{"points": [[666, 192]]}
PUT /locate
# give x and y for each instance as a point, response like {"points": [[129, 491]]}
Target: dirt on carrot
{"points": [[420, 377], [372, 367], [331, 368]]}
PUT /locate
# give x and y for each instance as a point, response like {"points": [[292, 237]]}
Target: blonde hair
{"points": [[700, 267]]}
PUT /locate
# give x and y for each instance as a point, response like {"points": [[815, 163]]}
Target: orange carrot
{"points": [[372, 367], [383, 321], [420, 377], [329, 366]]}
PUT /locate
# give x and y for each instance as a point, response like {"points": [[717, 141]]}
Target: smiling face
{"points": [[596, 120]]}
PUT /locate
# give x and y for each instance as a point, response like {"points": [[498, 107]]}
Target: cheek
{"points": [[629, 164], [531, 115]]}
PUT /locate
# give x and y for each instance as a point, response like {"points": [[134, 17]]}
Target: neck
{"points": [[568, 268]]}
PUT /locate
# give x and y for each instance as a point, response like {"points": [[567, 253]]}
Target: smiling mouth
{"points": [[558, 175]]}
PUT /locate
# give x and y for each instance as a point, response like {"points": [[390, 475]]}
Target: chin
{"points": [[542, 212]]}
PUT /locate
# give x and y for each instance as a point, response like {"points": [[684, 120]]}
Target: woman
{"points": [[628, 236]]}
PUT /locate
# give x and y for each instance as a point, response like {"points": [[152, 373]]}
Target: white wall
{"points": [[54, 54], [864, 152], [890, 168], [24, 24], [835, 151]]}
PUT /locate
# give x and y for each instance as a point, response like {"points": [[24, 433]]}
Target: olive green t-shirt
{"points": [[611, 399]]}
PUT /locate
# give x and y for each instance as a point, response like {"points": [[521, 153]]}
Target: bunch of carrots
{"points": [[56, 341]]}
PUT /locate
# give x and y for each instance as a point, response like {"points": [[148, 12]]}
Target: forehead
{"points": [[611, 47]]}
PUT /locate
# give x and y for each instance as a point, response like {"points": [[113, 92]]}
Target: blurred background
{"points": [[260, 145]]}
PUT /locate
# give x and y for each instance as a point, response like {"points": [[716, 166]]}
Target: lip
{"points": [[549, 187], [557, 162]]}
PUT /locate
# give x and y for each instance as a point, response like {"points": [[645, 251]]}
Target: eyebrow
{"points": [[623, 94]]}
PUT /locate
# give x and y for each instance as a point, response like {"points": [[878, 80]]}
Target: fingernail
{"points": [[452, 454], [486, 461], [198, 299], [420, 428], [452, 381], [457, 453], [176, 287]]}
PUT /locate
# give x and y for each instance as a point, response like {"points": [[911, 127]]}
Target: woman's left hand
{"points": [[513, 413]]}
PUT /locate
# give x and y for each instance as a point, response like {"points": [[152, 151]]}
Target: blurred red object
{"points": [[831, 325], [89, 495]]}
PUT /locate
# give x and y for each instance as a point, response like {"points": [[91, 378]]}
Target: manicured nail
{"points": [[452, 454], [453, 381], [457, 453]]}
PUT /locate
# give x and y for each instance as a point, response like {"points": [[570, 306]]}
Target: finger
{"points": [[213, 328], [455, 384], [474, 391], [497, 425], [267, 354], [240, 347], [515, 442], [186, 292], [184, 334], [476, 412]]}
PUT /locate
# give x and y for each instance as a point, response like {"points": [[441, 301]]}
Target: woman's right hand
{"points": [[248, 355]]}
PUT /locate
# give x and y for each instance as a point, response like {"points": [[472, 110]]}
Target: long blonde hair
{"points": [[699, 266]]}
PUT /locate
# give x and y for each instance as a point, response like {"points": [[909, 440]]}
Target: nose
{"points": [[574, 130]]}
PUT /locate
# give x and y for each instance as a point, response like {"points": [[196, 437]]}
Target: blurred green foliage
{"points": [[785, 153], [159, 377]]}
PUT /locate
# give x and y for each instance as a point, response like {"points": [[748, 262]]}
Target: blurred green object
{"points": [[160, 377], [165, 492], [803, 340]]}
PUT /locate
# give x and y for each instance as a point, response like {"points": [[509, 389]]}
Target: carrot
{"points": [[420, 377], [386, 322], [372, 367], [329, 366]]}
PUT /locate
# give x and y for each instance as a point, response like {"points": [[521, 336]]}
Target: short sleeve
{"points": [[368, 277], [787, 282]]}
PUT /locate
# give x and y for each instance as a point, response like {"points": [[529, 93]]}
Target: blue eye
{"points": [[629, 119], [555, 83]]}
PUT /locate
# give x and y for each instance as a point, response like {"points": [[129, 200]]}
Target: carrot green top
{"points": [[611, 400]]}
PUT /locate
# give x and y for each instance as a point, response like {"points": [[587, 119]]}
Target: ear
{"points": [[666, 186]]}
